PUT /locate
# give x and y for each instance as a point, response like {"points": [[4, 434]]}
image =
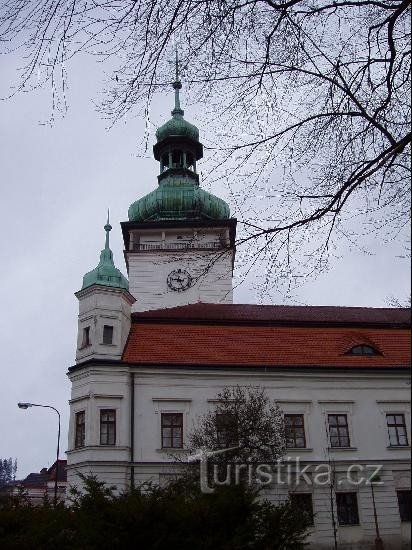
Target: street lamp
{"points": [[26, 406], [378, 540]]}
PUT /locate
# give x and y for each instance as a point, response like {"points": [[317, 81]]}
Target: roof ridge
{"points": [[254, 313]]}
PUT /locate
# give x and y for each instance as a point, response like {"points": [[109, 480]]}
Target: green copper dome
{"points": [[106, 273], [177, 126], [178, 196], [182, 201]]}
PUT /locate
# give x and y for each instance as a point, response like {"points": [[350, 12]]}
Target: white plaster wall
{"points": [[365, 397], [99, 306], [148, 273], [95, 388]]}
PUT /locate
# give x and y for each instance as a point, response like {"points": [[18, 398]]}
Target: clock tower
{"points": [[180, 239]]}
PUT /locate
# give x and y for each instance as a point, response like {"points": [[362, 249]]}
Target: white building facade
{"points": [[153, 351]]}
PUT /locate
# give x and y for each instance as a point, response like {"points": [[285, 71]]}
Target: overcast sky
{"points": [[57, 183]]}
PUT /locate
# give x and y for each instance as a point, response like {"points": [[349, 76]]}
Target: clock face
{"points": [[179, 280]]}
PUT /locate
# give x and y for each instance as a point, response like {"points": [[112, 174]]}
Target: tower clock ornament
{"points": [[179, 280]]}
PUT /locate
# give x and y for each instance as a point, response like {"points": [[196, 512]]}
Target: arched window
{"points": [[362, 349], [189, 161], [177, 159], [165, 162]]}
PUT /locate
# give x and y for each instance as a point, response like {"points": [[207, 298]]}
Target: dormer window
{"points": [[362, 349]]}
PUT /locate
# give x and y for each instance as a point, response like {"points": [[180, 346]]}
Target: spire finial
{"points": [[106, 273], [107, 228], [177, 65], [177, 86]]}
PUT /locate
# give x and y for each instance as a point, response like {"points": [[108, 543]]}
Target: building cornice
{"points": [[399, 369]]}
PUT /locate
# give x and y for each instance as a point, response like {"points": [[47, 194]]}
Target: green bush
{"points": [[178, 516]]}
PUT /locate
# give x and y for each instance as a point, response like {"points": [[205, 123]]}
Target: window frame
{"points": [[177, 158], [294, 425], [104, 335], [86, 340], [190, 160], [396, 426], [307, 509], [172, 427], [338, 426], [222, 434], [79, 429], [104, 441], [165, 160], [346, 509], [404, 507]]}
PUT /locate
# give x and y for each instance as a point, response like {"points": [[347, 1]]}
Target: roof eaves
{"points": [[95, 363], [137, 319], [259, 366]]}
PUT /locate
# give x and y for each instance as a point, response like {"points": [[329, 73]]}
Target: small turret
{"points": [[106, 273], [104, 309]]}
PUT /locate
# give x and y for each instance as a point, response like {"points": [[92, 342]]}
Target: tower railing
{"points": [[176, 246]]}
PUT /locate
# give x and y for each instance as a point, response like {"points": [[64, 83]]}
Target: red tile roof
{"points": [[282, 314], [268, 336]]}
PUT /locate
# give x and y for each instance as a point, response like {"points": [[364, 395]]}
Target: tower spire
{"points": [[177, 65], [107, 228], [106, 273], [177, 85]]}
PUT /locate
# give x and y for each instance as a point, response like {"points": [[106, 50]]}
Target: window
{"points": [[177, 159], [404, 502], [303, 502], [226, 430], [107, 334], [363, 349], [397, 430], [189, 160], [165, 161], [347, 507], [172, 430], [86, 337], [107, 427], [80, 429], [295, 430], [338, 430]]}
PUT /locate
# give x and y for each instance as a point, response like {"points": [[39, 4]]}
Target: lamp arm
{"points": [[58, 447]]}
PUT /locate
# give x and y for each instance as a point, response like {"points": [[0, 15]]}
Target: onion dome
{"points": [[179, 202], [106, 273], [178, 196], [177, 125]]}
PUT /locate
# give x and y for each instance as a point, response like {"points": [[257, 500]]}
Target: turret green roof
{"points": [[106, 273], [178, 196], [177, 125], [179, 201]]}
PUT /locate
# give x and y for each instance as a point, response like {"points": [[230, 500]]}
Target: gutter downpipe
{"points": [[132, 430]]}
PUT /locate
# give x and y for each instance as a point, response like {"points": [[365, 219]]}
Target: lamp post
{"points": [[378, 540], [26, 406]]}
